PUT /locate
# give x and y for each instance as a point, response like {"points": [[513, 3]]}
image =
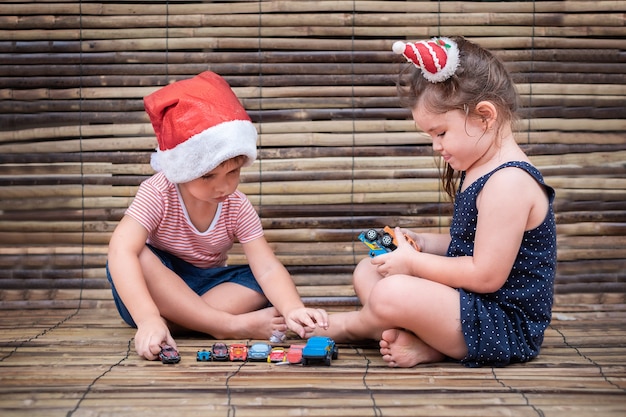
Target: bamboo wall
{"points": [[337, 154]]}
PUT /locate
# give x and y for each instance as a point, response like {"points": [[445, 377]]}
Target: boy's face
{"points": [[216, 185]]}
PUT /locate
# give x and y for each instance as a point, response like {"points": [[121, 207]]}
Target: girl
{"points": [[483, 293]]}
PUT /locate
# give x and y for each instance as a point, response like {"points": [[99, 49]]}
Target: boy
{"points": [[167, 257]]}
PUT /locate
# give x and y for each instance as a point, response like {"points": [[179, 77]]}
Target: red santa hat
{"points": [[199, 123], [438, 58]]}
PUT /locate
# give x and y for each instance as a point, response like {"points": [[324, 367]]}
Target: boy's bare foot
{"points": [[400, 348], [260, 324]]}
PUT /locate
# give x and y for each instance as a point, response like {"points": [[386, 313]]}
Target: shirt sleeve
{"points": [[249, 225], [147, 206]]}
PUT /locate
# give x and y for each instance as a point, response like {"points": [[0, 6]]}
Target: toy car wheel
{"points": [[371, 235], [387, 240], [327, 360], [335, 352]]}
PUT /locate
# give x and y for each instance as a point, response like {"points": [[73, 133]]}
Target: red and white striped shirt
{"points": [[158, 207]]}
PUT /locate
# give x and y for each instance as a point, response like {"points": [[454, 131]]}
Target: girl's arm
{"points": [[127, 242], [510, 203], [280, 289]]}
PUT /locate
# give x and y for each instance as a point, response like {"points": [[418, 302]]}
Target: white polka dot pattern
{"points": [[507, 326]]}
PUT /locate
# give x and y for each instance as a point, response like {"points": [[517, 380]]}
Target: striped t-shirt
{"points": [[158, 207]]}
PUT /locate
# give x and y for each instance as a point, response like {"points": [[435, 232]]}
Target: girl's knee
{"points": [[387, 297], [363, 268]]}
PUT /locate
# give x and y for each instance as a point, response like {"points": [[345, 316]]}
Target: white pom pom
{"points": [[398, 47]]}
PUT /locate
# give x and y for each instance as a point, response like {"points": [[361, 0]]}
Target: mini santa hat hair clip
{"points": [[438, 58]]}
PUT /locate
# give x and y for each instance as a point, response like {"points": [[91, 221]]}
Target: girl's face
{"points": [[216, 185], [459, 139]]}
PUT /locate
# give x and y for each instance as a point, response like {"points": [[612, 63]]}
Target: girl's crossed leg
{"points": [[416, 320]]}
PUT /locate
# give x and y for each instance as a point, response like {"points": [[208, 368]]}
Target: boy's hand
{"points": [[303, 320], [151, 335]]}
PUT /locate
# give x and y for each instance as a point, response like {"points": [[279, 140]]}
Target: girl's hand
{"points": [[417, 238], [151, 335], [303, 321], [397, 262]]}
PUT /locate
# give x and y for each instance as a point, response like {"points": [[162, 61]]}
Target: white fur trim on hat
{"points": [[206, 150]]}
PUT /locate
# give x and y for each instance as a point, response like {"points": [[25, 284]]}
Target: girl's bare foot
{"points": [[400, 348]]}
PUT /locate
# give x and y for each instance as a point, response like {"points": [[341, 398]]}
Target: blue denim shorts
{"points": [[200, 280]]}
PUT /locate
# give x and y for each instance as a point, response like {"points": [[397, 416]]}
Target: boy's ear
{"points": [[488, 113]]}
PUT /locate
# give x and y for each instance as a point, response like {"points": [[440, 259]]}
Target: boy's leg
{"points": [[178, 303]]}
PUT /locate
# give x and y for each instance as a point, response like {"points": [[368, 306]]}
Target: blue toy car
{"points": [[383, 241], [203, 356], [319, 349], [259, 352]]}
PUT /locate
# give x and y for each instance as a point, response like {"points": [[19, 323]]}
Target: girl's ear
{"points": [[488, 113]]}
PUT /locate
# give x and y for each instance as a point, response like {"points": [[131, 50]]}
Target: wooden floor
{"points": [[81, 362]]}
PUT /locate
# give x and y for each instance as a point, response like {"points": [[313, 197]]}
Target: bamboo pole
{"points": [[178, 21], [142, 36], [96, 9]]}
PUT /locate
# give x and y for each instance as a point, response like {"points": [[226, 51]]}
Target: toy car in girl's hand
{"points": [[381, 242]]}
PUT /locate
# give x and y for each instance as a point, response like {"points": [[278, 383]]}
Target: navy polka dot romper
{"points": [[506, 326]]}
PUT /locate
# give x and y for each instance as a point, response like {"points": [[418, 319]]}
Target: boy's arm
{"points": [[280, 289], [125, 246]]}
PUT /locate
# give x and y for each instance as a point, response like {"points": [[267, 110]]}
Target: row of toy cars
{"points": [[259, 352], [317, 349]]}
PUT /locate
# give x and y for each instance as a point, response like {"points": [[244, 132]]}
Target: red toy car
{"points": [[238, 352], [277, 354], [294, 354]]}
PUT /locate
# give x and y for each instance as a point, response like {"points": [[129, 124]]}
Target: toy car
{"points": [[219, 352], [319, 348], [238, 352], [277, 354], [383, 241], [259, 352], [294, 354], [203, 356], [277, 337], [169, 355]]}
